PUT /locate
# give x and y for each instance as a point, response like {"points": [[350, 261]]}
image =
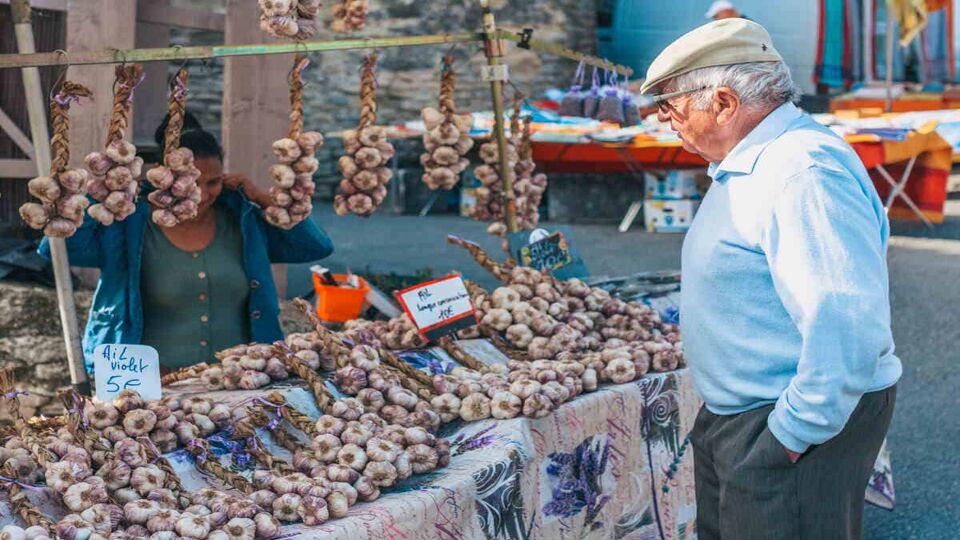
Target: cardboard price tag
{"points": [[119, 367], [439, 307]]}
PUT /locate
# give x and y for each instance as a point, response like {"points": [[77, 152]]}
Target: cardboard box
{"points": [[676, 185], [669, 216]]}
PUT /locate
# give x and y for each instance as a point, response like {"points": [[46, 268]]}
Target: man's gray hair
{"points": [[758, 84]]}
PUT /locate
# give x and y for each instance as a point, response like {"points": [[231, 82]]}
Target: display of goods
{"points": [[447, 139], [177, 196], [62, 195], [115, 172], [554, 319], [294, 19], [367, 153], [349, 15], [293, 176]]}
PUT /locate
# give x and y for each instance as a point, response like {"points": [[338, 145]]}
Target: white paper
{"points": [[118, 367], [435, 303]]}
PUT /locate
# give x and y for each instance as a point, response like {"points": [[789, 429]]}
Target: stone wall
{"points": [[32, 343], [409, 77]]}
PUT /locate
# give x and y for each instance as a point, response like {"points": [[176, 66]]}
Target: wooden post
{"points": [[256, 106], [493, 48], [37, 107]]}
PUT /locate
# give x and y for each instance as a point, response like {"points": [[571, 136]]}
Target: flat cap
{"points": [[718, 43]]}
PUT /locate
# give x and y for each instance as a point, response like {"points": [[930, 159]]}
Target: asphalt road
{"points": [[925, 294]]}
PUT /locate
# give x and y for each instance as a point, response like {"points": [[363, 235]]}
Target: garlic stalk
{"points": [[62, 195], [116, 171], [177, 197], [293, 176], [366, 154], [447, 139]]}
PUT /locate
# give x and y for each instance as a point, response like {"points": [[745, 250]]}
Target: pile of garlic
{"points": [[12, 532], [116, 171], [367, 153], [252, 366], [168, 423], [62, 195], [178, 196], [294, 19], [371, 452], [349, 15], [293, 176], [378, 391], [398, 333], [447, 139], [553, 319], [472, 396]]}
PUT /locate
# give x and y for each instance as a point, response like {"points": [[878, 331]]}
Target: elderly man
{"points": [[785, 311]]}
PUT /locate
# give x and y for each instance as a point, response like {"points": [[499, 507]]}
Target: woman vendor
{"points": [[201, 286]]}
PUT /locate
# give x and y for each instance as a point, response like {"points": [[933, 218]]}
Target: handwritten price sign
{"points": [[439, 307], [122, 367]]}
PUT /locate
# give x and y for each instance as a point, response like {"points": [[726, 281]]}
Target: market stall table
{"points": [[615, 463], [910, 175]]}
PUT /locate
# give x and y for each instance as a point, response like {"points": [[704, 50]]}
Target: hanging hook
{"points": [[64, 56], [183, 65]]}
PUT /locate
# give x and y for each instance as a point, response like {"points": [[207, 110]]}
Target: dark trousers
{"points": [[747, 488]]}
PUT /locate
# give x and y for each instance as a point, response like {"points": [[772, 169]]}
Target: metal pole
{"points": [[889, 59], [560, 50], [493, 48], [36, 107]]}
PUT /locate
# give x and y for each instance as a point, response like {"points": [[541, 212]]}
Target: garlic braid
{"points": [[60, 117], [460, 355], [368, 92], [255, 447], [201, 450], [296, 96], [482, 258], [292, 415], [22, 504], [448, 82], [128, 76], [171, 480], [177, 107]]}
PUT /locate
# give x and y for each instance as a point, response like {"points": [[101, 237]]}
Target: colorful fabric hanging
{"points": [[834, 53]]}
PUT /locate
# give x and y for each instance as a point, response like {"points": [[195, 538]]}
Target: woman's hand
{"points": [[250, 189]]}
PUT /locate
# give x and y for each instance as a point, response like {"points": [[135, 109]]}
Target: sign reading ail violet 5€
{"points": [[118, 367], [439, 307]]}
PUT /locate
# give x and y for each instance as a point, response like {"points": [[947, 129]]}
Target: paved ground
{"points": [[924, 273]]}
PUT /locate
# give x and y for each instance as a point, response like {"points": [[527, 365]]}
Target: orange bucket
{"points": [[339, 304]]}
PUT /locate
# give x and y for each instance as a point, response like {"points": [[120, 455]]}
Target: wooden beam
{"points": [[17, 168], [13, 130], [164, 13], [80, 56], [96, 24], [53, 5]]}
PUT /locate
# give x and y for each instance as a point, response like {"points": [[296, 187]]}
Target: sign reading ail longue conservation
{"points": [[439, 307], [121, 367]]}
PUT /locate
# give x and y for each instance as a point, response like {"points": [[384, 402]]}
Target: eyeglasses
{"points": [[662, 100]]}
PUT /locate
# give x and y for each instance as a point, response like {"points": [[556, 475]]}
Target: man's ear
{"points": [[726, 104]]}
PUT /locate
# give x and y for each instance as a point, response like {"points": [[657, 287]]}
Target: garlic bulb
{"points": [[293, 19], [447, 138], [349, 15]]}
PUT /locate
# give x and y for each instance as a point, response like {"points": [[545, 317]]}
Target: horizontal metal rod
{"points": [[559, 50], [173, 54]]}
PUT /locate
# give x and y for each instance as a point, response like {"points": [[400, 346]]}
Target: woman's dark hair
{"points": [[202, 143]]}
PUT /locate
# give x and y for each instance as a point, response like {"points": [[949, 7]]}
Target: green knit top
{"points": [[194, 303]]}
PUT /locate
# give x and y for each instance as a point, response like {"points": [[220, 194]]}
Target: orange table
{"points": [[907, 103], [910, 175]]}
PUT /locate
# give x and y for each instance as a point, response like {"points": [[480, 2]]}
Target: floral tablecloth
{"points": [[612, 464]]}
